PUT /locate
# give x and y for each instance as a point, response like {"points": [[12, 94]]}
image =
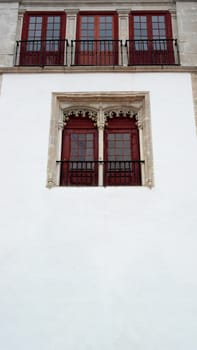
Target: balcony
{"points": [[110, 173], [97, 53], [41, 53], [152, 52]]}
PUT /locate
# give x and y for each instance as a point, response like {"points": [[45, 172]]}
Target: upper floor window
{"points": [[151, 38], [96, 42], [43, 39]]}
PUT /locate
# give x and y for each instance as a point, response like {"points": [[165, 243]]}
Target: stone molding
{"points": [[100, 69], [99, 106]]}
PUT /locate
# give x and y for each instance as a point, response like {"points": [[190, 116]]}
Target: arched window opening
{"points": [[79, 153], [122, 164]]}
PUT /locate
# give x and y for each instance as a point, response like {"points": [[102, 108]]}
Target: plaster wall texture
{"points": [[194, 88], [97, 268], [8, 23], [187, 28]]}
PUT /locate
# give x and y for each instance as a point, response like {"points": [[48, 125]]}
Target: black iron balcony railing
{"points": [[96, 52], [152, 52], [112, 173], [41, 53]]}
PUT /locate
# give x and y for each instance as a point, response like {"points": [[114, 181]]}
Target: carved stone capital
{"points": [[100, 119], [149, 182], [50, 182], [60, 125], [139, 121]]}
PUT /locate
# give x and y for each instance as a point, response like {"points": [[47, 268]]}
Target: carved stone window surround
{"points": [[99, 107]]}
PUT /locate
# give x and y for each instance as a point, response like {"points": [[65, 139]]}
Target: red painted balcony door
{"points": [[95, 45], [43, 39], [122, 153], [79, 165], [151, 38]]}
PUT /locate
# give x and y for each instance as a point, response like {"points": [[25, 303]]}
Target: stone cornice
{"points": [[85, 70], [92, 2]]}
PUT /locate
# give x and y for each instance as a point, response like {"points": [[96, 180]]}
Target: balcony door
{"points": [[79, 166], [43, 39], [96, 43], [151, 38], [122, 165]]}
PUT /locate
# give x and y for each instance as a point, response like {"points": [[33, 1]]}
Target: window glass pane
{"points": [[136, 19], [39, 19], [154, 18], [161, 19], [162, 33], [162, 25], [143, 18], [119, 146], [81, 147], [126, 136], [155, 32], [111, 136], [143, 25], [154, 25], [89, 137]]}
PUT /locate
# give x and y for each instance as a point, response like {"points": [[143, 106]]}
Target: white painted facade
{"points": [[97, 268]]}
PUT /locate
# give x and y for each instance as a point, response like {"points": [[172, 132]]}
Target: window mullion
{"points": [[100, 125]]}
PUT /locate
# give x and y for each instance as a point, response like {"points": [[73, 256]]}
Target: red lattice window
{"points": [[151, 38], [79, 165], [43, 39], [119, 163], [96, 44], [122, 153]]}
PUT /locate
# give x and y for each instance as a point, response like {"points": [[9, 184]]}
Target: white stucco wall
{"points": [[97, 268]]}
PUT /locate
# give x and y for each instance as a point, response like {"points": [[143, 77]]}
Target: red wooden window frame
{"points": [[43, 51], [121, 165], [127, 172], [102, 50], [77, 171], [154, 49]]}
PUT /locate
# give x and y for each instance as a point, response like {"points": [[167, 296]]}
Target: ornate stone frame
{"points": [[99, 107]]}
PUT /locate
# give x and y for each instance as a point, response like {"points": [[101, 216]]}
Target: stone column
{"points": [[100, 126], [60, 126], [71, 23], [123, 16], [19, 34]]}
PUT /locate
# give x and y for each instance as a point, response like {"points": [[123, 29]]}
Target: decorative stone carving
{"points": [[139, 120], [60, 125], [50, 181], [117, 112], [79, 112]]}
